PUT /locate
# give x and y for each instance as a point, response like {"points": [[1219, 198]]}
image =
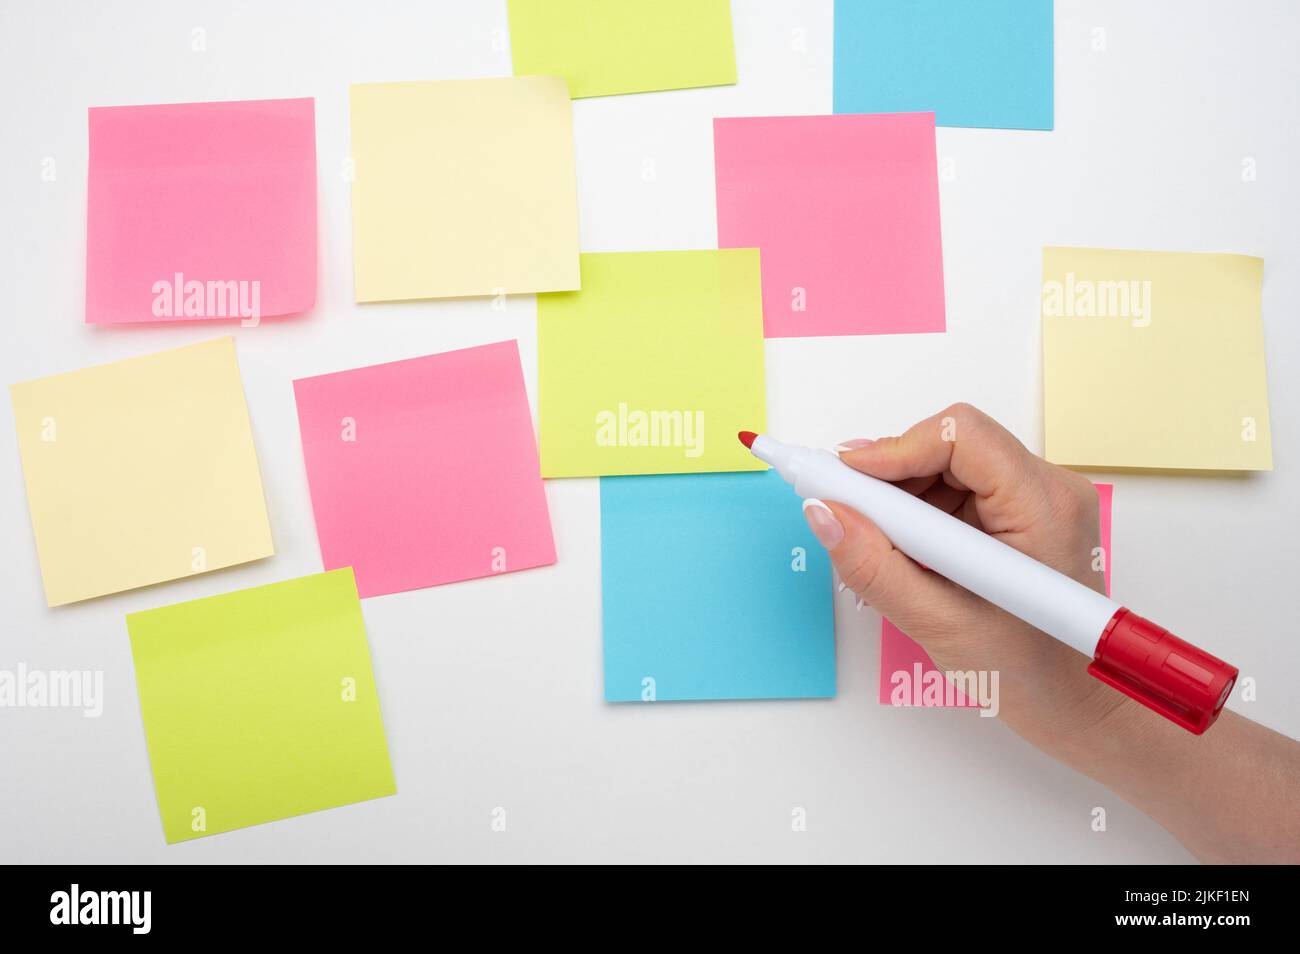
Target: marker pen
{"points": [[1184, 684]]}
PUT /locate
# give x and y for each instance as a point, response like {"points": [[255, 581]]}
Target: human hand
{"points": [[965, 463]]}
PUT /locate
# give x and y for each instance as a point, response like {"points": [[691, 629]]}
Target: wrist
{"points": [[1065, 711], [1098, 731]]}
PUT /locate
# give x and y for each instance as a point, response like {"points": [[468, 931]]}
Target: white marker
{"points": [[1132, 654]]}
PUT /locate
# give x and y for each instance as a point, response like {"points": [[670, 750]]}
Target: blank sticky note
{"points": [[463, 188], [909, 677], [259, 705], [845, 211], [140, 471], [985, 63], [654, 366], [1154, 360], [201, 211], [712, 587], [632, 46], [424, 471]]}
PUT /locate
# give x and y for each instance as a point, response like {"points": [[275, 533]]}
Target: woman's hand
{"points": [[1230, 795], [966, 464]]}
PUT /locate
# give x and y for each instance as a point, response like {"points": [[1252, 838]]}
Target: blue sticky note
{"points": [[713, 588], [985, 63]]}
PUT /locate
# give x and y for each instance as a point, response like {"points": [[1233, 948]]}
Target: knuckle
{"points": [[1074, 497], [964, 422], [964, 413]]}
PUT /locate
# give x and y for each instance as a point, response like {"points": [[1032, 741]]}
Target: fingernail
{"points": [[855, 444], [824, 526]]}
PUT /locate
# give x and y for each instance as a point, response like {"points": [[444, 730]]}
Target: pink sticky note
{"points": [[425, 471], [201, 210], [1105, 495], [899, 653], [845, 213]]}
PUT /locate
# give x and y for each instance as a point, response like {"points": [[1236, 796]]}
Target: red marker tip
{"points": [[747, 438]]}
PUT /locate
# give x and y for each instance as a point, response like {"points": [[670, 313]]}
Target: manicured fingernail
{"points": [[824, 526], [855, 444]]}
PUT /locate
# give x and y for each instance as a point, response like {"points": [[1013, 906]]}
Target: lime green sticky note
{"points": [[654, 366], [624, 46], [259, 705]]}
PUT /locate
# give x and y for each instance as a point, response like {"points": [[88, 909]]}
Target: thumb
{"points": [[926, 606]]}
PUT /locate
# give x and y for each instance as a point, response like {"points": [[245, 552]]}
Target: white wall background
{"points": [[491, 690]]}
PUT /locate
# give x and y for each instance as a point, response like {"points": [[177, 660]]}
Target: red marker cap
{"points": [[1150, 664]]}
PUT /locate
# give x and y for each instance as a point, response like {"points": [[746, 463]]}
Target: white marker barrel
{"points": [[1053, 602]]}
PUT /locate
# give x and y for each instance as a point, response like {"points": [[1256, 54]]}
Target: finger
{"points": [[971, 451], [980, 453], [918, 485], [970, 512], [922, 603], [948, 499]]}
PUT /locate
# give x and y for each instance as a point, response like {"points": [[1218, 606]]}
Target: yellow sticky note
{"points": [[141, 471], [654, 366], [626, 46], [259, 705], [463, 188], [1154, 360]]}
